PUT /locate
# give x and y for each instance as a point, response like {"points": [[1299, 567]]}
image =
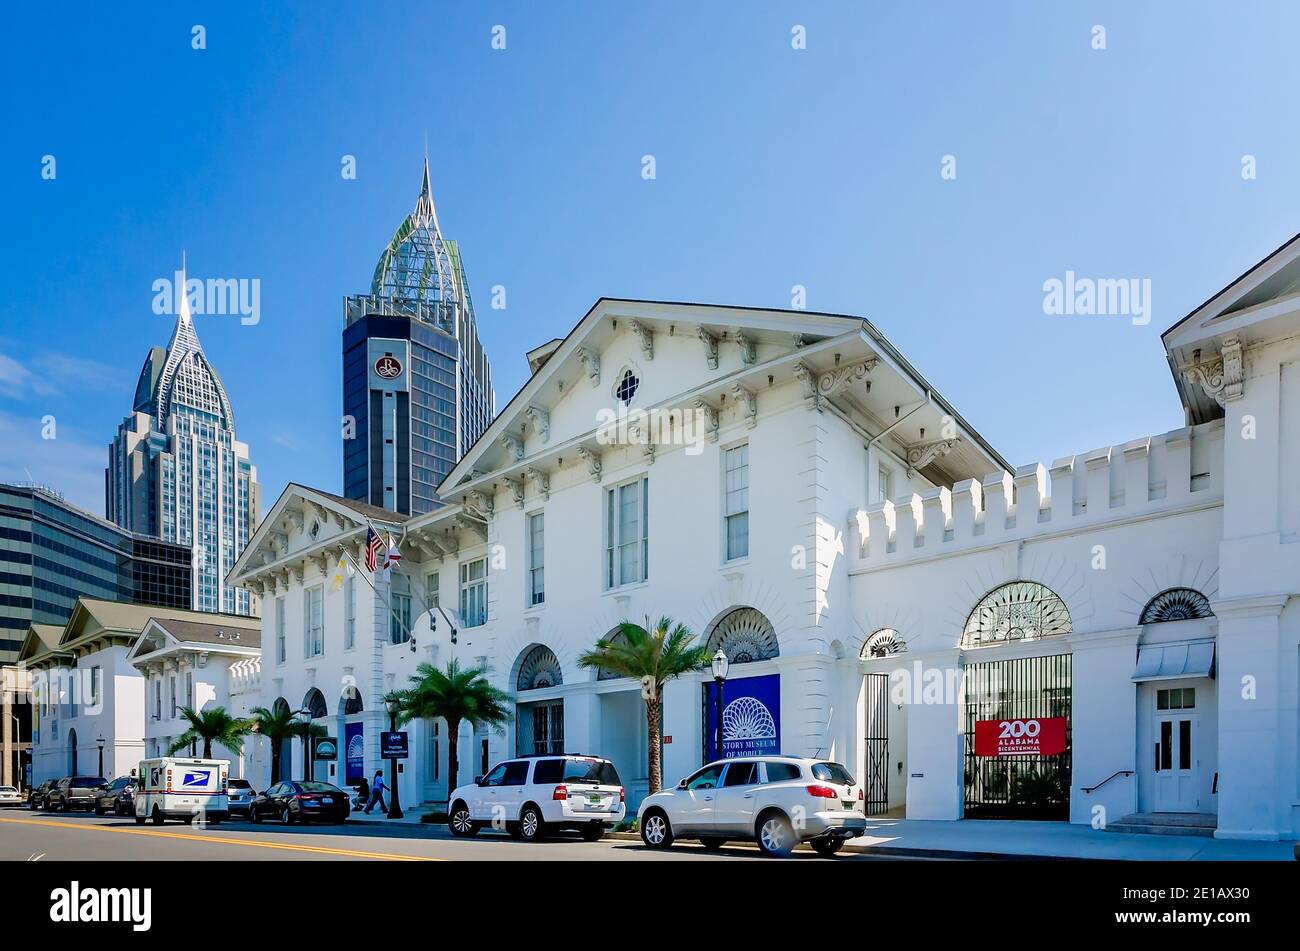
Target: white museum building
{"points": [[1108, 639]]}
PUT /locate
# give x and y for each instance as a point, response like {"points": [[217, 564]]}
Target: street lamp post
{"points": [[395, 812], [720, 666], [99, 741]]}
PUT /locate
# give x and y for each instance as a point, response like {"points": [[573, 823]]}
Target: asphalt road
{"points": [[28, 836]]}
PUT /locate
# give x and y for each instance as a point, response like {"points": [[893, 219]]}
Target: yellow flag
{"points": [[341, 571]]}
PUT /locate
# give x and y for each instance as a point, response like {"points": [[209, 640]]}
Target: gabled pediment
{"points": [[1206, 348], [660, 348]]}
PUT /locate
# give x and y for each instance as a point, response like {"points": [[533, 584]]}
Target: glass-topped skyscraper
{"points": [[417, 387], [177, 472]]}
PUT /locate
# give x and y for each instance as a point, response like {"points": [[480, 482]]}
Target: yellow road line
{"points": [[223, 840]]}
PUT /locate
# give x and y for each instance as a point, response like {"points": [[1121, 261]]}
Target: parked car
{"points": [[776, 801], [239, 795], [536, 795], [118, 797], [301, 802], [74, 792], [10, 796], [39, 796]]}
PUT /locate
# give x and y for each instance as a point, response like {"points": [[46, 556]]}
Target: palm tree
{"points": [[213, 725], [653, 657], [277, 725], [456, 694]]}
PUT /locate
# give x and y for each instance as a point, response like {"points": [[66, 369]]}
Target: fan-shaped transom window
{"points": [[883, 643], [613, 637], [1176, 604], [627, 387], [539, 668], [314, 704], [745, 635], [1019, 611]]}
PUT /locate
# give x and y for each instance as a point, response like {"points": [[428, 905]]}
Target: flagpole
{"points": [[362, 571]]}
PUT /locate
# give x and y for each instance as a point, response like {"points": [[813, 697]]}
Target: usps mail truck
{"points": [[173, 788]]}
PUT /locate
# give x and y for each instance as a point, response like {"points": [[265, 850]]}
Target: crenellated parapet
{"points": [[1147, 476]]}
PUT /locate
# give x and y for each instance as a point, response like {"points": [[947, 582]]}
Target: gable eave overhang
{"points": [[858, 343], [298, 498], [830, 326], [1201, 334]]}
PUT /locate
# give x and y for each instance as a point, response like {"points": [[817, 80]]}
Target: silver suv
{"points": [[532, 796]]}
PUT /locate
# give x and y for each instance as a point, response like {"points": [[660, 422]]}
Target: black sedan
{"points": [[302, 801], [40, 795], [118, 798]]}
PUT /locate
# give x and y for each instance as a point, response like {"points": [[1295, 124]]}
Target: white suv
{"points": [[777, 801], [534, 795]]}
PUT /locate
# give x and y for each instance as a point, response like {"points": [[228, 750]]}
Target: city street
{"points": [[26, 836]]}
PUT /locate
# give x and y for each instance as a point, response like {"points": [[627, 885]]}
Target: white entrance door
{"points": [[1177, 763]]}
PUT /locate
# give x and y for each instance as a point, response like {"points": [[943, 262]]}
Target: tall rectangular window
{"points": [[473, 593], [313, 621], [279, 630], [171, 693], [735, 509], [350, 613], [157, 699], [399, 618], [536, 559], [95, 676], [885, 484], [189, 689], [627, 540]]}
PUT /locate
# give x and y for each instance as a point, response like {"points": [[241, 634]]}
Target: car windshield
{"points": [[601, 772], [8, 789], [832, 773], [84, 781], [318, 787]]}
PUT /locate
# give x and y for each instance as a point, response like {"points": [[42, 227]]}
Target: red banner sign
{"points": [[1034, 736]]}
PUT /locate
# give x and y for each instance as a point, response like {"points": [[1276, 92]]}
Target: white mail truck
{"points": [[176, 788]]}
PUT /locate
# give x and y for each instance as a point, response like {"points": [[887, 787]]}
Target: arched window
{"points": [[1019, 611], [352, 701], [745, 635], [314, 703], [539, 668], [613, 637], [1176, 604], [883, 643]]}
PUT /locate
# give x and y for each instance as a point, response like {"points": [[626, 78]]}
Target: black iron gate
{"points": [[1018, 787], [876, 781]]}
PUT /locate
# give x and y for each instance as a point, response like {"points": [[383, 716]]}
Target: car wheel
{"points": [[139, 820], [712, 844], [827, 847], [775, 834], [286, 817], [253, 817], [459, 821], [531, 827], [99, 809], [157, 816], [656, 832], [593, 832]]}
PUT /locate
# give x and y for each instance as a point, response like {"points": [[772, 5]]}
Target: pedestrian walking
{"points": [[377, 793]]}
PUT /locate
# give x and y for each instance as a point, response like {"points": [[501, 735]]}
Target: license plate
{"points": [[847, 804], [595, 799]]}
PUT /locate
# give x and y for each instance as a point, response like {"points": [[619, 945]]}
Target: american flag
{"points": [[374, 545]]}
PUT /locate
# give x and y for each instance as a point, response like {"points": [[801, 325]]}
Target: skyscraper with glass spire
{"points": [[177, 472], [417, 386]]}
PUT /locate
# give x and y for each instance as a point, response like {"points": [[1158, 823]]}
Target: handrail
{"points": [[1118, 772]]}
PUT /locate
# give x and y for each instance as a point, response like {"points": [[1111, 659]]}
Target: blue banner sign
{"points": [[751, 717], [354, 744]]}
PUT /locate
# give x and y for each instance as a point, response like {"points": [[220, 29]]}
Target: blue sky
{"points": [[775, 167]]}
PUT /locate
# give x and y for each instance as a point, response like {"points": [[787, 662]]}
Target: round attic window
{"points": [[627, 387]]}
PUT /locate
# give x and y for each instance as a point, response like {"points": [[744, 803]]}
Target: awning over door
{"points": [[1175, 661]]}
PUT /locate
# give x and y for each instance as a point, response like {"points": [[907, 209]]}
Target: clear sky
{"points": [[775, 167]]}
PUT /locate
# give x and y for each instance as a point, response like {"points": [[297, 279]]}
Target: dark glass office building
{"points": [[417, 387], [52, 552]]}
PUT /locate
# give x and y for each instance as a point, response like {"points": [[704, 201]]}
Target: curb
{"points": [[902, 851]]}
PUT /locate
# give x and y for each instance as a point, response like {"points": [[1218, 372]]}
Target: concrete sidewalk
{"points": [[409, 816], [990, 838]]}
